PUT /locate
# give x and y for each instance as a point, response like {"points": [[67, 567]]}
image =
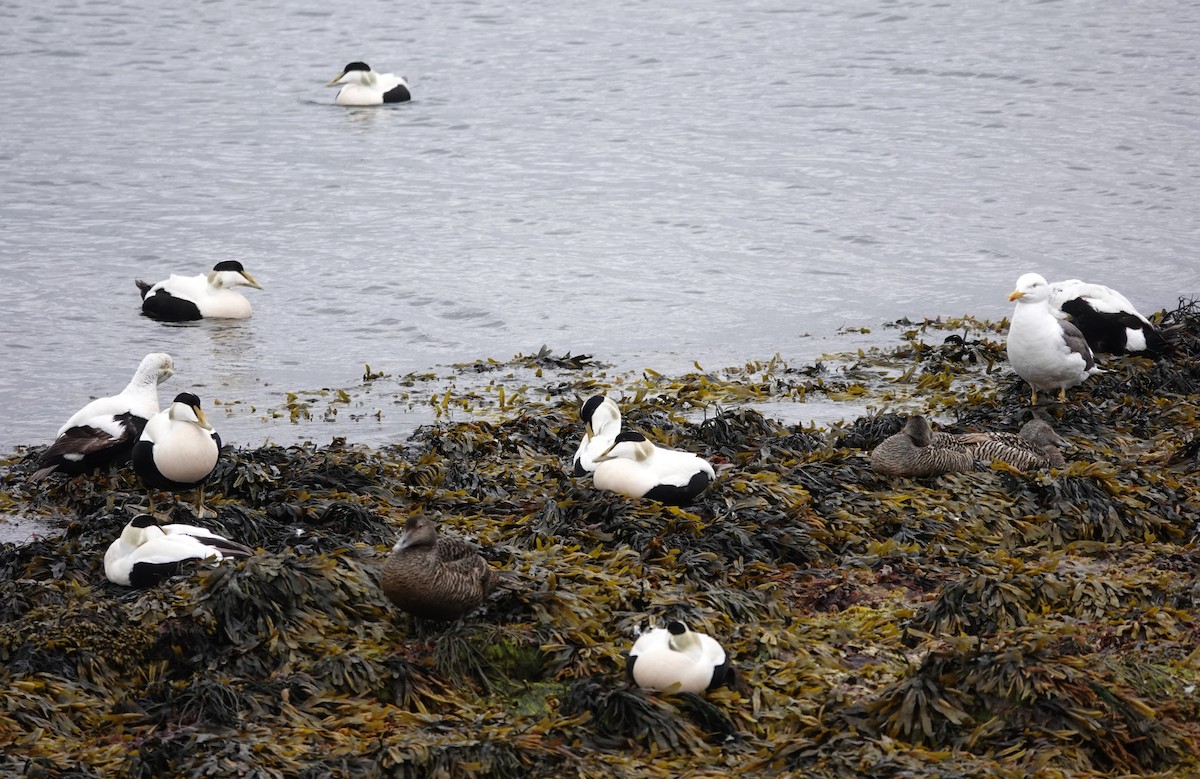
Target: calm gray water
{"points": [[649, 182]]}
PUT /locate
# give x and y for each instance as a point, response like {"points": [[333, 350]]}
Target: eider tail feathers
{"points": [[143, 287]]}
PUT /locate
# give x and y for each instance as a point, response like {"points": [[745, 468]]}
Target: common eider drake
{"points": [[178, 449], [602, 421], [146, 553], [635, 467], [104, 431], [1047, 352], [917, 451], [363, 86], [203, 296], [675, 659], [1106, 318], [435, 577]]}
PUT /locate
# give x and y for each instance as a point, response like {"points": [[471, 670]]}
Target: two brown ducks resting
{"points": [[918, 451], [435, 577]]}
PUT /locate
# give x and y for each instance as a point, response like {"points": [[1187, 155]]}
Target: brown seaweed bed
{"points": [[992, 623]]}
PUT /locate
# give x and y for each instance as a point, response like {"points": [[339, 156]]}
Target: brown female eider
{"points": [[433, 577]]}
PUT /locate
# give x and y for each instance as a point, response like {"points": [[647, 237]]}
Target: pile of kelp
{"points": [[993, 623]]}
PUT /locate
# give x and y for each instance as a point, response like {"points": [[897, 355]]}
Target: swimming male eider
{"points": [[178, 449], [1106, 318], [363, 86], [1047, 352], [917, 451], [203, 296], [633, 466], [676, 659], [602, 421], [146, 554], [104, 431], [434, 577]]}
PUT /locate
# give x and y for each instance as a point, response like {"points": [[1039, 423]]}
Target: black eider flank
{"points": [[165, 306], [232, 265], [679, 496], [143, 575], [397, 94]]}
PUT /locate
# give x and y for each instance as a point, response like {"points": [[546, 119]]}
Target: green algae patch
{"points": [[990, 623]]}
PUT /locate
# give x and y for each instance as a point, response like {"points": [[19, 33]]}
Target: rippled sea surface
{"points": [[649, 182]]}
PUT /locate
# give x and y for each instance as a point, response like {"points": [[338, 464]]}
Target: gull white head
{"points": [[1031, 288]]}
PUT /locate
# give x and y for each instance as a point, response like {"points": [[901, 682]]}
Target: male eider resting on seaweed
{"points": [[363, 86], [1106, 318], [676, 659], [203, 296], [146, 553], [178, 449], [434, 577], [602, 422], [1045, 351], [633, 466], [104, 431]]}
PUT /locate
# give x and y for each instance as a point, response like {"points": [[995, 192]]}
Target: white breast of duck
{"points": [[676, 659], [178, 448], [635, 467]]}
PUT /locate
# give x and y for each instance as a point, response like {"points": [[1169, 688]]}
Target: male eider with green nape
{"points": [[147, 553], [203, 296], [635, 467], [601, 417], [676, 659], [178, 449], [104, 431], [362, 86]]}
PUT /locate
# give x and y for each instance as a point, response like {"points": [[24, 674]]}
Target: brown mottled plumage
{"points": [[916, 451], [434, 577], [1036, 446]]}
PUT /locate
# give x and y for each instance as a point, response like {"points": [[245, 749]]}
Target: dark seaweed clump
{"points": [[994, 623]]}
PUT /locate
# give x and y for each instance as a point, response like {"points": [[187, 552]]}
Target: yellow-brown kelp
{"points": [[992, 623]]}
